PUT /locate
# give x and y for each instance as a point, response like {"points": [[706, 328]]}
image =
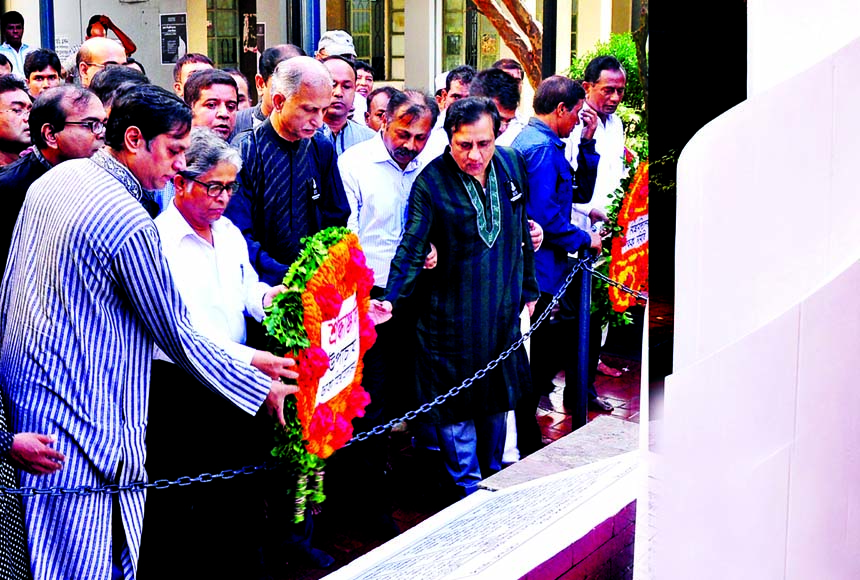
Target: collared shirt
{"points": [[164, 196], [216, 281], [85, 295], [359, 109], [553, 187], [17, 57], [609, 137], [378, 194], [351, 134], [516, 126], [438, 139]]}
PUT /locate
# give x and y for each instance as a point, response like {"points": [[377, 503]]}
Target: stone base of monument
{"points": [[567, 511]]}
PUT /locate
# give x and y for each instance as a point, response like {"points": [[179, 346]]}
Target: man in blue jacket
{"points": [[553, 188]]}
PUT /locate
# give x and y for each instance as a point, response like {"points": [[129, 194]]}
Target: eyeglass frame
{"points": [[106, 64], [91, 125], [230, 188], [20, 113]]}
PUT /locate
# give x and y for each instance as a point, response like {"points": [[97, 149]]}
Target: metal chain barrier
{"points": [[138, 486], [635, 293]]}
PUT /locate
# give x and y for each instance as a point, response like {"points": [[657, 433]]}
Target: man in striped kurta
{"points": [[85, 294], [470, 202]]}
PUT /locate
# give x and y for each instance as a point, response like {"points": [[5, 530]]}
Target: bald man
{"points": [[290, 188], [95, 54], [286, 149]]}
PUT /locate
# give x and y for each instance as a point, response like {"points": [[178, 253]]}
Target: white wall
{"points": [[789, 36], [140, 21], [761, 441]]}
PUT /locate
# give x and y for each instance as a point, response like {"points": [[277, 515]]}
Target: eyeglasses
{"points": [[106, 64], [20, 111], [97, 127], [216, 189]]}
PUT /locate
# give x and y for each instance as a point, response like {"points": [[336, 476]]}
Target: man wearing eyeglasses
{"points": [[208, 260], [95, 54], [86, 295], [66, 123], [14, 114]]}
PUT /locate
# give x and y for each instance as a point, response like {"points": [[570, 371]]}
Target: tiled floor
{"points": [[418, 482]]}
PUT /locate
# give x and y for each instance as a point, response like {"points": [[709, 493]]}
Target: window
{"points": [[223, 32], [366, 22]]}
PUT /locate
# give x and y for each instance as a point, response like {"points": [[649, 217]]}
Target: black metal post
{"points": [[579, 410], [550, 30]]}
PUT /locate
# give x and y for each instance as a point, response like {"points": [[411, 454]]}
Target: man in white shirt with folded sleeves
{"points": [[377, 176]]}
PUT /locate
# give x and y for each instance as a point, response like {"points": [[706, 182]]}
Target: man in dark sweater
{"points": [[289, 183], [66, 122], [289, 188]]}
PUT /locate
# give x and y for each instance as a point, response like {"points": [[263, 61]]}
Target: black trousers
{"points": [[553, 347], [203, 530]]}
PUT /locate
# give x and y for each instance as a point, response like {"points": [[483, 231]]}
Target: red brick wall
{"points": [[604, 553]]}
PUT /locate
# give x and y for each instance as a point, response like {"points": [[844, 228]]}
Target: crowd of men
{"points": [[146, 230]]}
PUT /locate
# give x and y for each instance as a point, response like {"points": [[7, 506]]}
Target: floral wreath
{"points": [[330, 272], [629, 264]]}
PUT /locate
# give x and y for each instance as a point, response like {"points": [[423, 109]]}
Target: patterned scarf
{"points": [[488, 231]]}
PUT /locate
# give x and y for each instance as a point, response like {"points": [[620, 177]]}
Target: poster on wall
{"points": [[63, 47], [174, 37]]}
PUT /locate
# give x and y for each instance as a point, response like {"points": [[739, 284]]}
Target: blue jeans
{"points": [[472, 449]]}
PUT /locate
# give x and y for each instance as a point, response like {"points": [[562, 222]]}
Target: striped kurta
{"points": [[85, 294], [469, 311]]}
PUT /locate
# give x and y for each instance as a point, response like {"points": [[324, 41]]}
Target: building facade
{"points": [[407, 42]]}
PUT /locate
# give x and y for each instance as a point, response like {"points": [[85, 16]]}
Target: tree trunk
{"points": [[529, 56], [640, 36]]}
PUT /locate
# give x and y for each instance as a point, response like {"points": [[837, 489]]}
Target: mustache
{"points": [[404, 152]]}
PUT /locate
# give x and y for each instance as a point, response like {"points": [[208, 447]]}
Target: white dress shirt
{"points": [[438, 139], [515, 127], [378, 194], [216, 282], [17, 57], [609, 137]]}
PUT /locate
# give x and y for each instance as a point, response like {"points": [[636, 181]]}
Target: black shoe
{"points": [[310, 557], [382, 527], [600, 404]]}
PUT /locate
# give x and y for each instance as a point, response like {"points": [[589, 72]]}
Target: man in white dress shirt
{"points": [[377, 177], [208, 260], [604, 83]]}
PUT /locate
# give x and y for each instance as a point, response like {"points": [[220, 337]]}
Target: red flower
{"points": [[322, 422], [357, 401], [313, 362], [329, 300], [342, 432], [357, 270], [367, 334]]}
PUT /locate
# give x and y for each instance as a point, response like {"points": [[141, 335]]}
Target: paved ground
{"points": [[417, 476]]}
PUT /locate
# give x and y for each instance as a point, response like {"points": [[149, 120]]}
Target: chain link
{"points": [[138, 486], [635, 293]]}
